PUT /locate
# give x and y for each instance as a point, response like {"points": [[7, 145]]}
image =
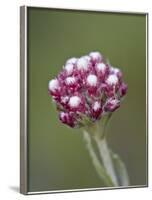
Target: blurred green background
{"points": [[58, 158]]}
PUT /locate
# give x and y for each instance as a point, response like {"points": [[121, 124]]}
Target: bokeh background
{"points": [[57, 156]]}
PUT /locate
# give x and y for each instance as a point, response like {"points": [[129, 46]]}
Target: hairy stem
{"points": [[106, 158], [96, 162]]}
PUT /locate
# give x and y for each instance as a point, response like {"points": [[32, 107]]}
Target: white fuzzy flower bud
{"points": [[71, 61], [53, 85], [96, 106], [112, 79], [96, 56], [101, 67], [87, 58], [115, 70], [92, 80], [74, 101], [82, 64], [69, 68]]}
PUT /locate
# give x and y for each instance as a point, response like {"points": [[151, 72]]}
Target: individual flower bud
{"points": [[64, 100], [92, 84], [74, 101], [71, 61], [88, 58], [96, 110], [112, 104], [82, 64], [101, 67], [54, 89], [116, 71], [70, 81], [67, 118], [76, 104], [123, 89], [102, 70], [96, 57], [69, 68], [112, 80], [72, 84], [53, 85], [92, 80]]}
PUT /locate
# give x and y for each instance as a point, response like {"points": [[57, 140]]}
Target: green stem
{"points": [[109, 166], [98, 166], [106, 158]]}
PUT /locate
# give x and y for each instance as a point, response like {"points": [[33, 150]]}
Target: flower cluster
{"points": [[86, 89]]}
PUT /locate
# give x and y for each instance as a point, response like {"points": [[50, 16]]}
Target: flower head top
{"points": [[87, 89]]}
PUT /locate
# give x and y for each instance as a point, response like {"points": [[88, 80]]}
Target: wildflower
{"points": [[87, 87], [87, 90]]}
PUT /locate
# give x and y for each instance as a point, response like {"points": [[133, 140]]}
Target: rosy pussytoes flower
{"points": [[87, 88], [86, 92]]}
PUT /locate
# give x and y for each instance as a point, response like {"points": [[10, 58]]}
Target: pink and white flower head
{"points": [[87, 88]]}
